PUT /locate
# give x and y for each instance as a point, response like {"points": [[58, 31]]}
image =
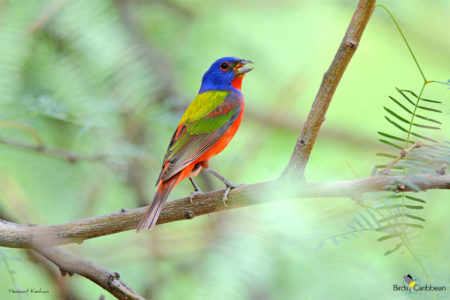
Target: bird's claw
{"points": [[229, 187], [194, 194]]}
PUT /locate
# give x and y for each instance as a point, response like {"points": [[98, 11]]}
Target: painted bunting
{"points": [[205, 129]]}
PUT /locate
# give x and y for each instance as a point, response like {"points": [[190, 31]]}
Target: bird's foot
{"points": [[197, 191], [229, 187], [195, 194]]}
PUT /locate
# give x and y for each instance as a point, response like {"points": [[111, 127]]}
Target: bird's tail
{"points": [[151, 215]]}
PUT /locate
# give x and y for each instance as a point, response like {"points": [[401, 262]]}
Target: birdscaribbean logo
{"points": [[412, 285]]}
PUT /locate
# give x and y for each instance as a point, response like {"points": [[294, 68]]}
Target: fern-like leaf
{"points": [[390, 236], [390, 144], [386, 155], [398, 246], [396, 216], [396, 125], [391, 136]]}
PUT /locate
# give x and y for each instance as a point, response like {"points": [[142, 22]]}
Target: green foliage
{"points": [[398, 211], [413, 119], [409, 120]]}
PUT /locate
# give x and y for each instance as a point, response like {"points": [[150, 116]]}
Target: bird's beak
{"points": [[241, 67]]}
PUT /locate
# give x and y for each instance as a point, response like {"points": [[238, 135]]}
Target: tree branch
{"points": [[331, 79], [70, 263], [65, 291], [23, 236]]}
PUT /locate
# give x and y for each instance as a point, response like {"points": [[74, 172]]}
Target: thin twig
{"points": [[331, 79], [21, 236], [402, 155], [351, 169], [404, 40], [66, 155]]}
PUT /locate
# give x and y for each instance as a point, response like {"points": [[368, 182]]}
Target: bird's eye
{"points": [[224, 66]]}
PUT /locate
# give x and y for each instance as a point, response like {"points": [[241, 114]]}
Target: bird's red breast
{"points": [[237, 82]]}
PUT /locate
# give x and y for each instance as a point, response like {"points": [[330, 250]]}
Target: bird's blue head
{"points": [[225, 73]]}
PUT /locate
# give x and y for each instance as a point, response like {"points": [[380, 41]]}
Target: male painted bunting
{"points": [[205, 129]]}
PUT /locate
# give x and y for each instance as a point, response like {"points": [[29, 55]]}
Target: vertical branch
{"points": [[331, 79]]}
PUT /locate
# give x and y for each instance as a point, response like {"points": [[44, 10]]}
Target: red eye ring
{"points": [[224, 66]]}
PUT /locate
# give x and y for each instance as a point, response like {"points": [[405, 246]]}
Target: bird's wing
{"points": [[205, 121]]}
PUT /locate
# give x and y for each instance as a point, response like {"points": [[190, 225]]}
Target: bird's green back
{"points": [[202, 105]]}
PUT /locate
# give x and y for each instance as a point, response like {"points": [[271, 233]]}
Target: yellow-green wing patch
{"points": [[202, 105], [210, 124]]}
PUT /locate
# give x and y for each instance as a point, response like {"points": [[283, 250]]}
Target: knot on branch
{"points": [[351, 44], [189, 214], [117, 285], [400, 188], [114, 280], [442, 170], [72, 159], [64, 272]]}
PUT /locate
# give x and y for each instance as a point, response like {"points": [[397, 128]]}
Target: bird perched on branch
{"points": [[205, 129]]}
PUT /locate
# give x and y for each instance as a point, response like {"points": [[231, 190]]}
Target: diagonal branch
{"points": [[23, 236], [331, 79], [69, 263], [65, 291]]}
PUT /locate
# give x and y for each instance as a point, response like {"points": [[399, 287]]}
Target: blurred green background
{"points": [[113, 78]]}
